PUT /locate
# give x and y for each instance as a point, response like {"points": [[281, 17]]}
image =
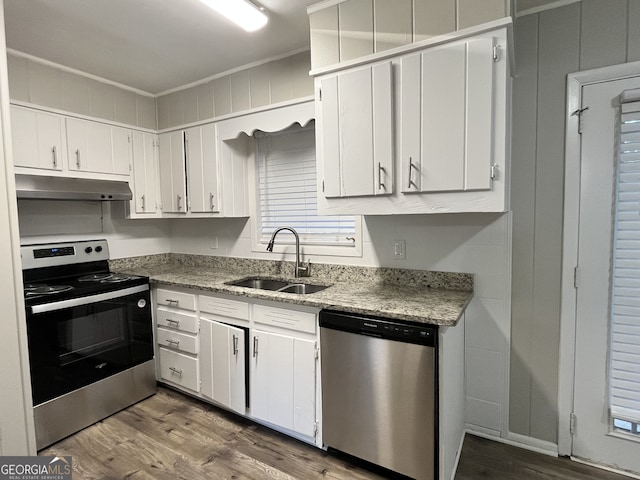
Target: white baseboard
{"points": [[604, 467], [455, 464]]}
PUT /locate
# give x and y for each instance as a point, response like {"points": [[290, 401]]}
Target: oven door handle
{"points": [[77, 302]]}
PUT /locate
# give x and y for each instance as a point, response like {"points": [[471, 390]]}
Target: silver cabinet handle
{"points": [[255, 347], [55, 156], [235, 345], [412, 167], [170, 301], [176, 371], [173, 342], [142, 199], [211, 201], [170, 321], [179, 199], [380, 172], [78, 158]]}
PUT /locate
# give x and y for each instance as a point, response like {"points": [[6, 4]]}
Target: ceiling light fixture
{"points": [[241, 12]]}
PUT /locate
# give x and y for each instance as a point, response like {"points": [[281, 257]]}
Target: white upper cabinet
{"points": [[38, 139], [173, 190], [355, 132], [202, 169], [97, 148], [145, 173], [447, 143], [447, 118]]}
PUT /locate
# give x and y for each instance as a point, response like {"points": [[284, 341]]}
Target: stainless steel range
{"points": [[90, 336]]}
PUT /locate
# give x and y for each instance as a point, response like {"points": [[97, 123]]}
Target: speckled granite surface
{"points": [[415, 295]]}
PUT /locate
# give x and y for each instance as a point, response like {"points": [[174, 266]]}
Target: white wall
{"points": [[472, 243], [44, 221]]}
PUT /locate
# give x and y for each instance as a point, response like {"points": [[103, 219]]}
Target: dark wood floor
{"points": [[170, 436]]}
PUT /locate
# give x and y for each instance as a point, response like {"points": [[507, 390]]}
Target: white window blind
{"points": [[625, 302], [287, 190]]}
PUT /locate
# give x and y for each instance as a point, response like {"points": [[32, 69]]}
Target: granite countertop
{"points": [[419, 296]]}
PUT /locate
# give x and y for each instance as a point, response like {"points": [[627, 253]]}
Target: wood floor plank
{"points": [[172, 436]]}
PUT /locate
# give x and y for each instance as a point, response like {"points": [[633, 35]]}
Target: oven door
{"points": [[75, 342]]}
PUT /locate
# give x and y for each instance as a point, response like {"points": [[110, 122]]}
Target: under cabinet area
{"points": [[257, 358], [432, 139]]}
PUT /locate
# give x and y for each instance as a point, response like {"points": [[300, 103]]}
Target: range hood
{"points": [[63, 188]]}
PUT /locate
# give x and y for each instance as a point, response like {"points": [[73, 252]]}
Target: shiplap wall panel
{"points": [[280, 79], [18, 70], [259, 84], [323, 36], [190, 105], [433, 17], [74, 93], [559, 44], [603, 43], [523, 175], [633, 39], [240, 91], [356, 29], [124, 105], [392, 23], [472, 12], [101, 100], [146, 111], [174, 107], [302, 81], [221, 97], [44, 85], [205, 101]]}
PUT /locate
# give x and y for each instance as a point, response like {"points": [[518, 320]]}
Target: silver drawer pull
{"points": [[173, 342], [78, 158], [235, 345], [412, 166], [173, 322], [55, 156], [211, 204], [380, 172], [255, 346], [176, 371], [170, 301]]}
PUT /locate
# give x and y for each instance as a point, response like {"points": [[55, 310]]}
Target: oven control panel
{"points": [[64, 253]]}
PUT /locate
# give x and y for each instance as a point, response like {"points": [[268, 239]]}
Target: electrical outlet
{"points": [[399, 249], [214, 242]]}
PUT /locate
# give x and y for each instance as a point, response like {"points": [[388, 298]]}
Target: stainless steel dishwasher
{"points": [[379, 391]]}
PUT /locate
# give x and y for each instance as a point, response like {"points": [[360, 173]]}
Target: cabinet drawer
{"points": [[176, 320], [284, 318], [224, 307], [178, 368], [177, 341], [176, 299]]}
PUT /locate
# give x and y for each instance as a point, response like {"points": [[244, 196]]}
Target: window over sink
{"points": [[286, 195]]}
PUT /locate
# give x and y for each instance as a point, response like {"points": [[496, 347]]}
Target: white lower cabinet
{"points": [[283, 387], [222, 364], [256, 358]]}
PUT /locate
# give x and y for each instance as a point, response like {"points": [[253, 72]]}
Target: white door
{"points": [[144, 172], [172, 172], [202, 169], [595, 437]]}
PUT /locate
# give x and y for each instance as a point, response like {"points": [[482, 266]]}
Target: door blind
{"points": [[625, 301], [287, 191]]}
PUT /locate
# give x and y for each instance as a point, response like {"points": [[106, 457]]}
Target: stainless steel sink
{"points": [[277, 285], [302, 288], [261, 283]]}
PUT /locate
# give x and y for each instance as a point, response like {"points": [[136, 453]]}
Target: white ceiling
{"points": [[151, 45]]}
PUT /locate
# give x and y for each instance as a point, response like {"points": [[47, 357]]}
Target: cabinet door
{"points": [[89, 146], [202, 169], [172, 172], [222, 364], [283, 381], [120, 151], [37, 139], [144, 172], [357, 132], [447, 118]]}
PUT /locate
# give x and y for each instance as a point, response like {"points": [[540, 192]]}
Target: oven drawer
{"points": [[177, 341], [176, 320], [285, 318], [178, 368], [170, 298], [224, 307]]}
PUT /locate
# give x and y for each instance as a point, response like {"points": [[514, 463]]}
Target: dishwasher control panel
{"points": [[380, 327]]}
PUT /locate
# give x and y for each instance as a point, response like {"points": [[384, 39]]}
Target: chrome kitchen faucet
{"points": [[302, 269]]}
